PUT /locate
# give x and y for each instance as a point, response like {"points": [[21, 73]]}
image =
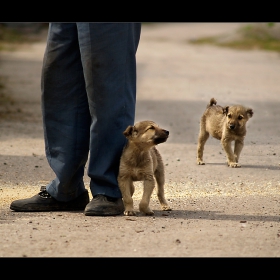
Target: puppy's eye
{"points": [[229, 116], [150, 127], [240, 117]]}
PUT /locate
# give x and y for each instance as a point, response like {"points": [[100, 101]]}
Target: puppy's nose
{"points": [[231, 126], [166, 131]]}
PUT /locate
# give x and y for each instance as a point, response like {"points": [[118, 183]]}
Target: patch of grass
{"points": [[11, 38], [6, 102], [264, 36], [4, 97]]}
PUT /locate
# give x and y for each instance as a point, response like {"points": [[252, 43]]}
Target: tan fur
{"points": [[141, 161], [226, 124]]}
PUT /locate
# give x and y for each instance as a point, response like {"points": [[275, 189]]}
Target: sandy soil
{"points": [[217, 211]]}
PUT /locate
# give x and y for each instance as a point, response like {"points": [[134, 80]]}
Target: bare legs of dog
{"points": [[160, 189], [238, 146], [232, 157], [127, 189], [203, 137], [149, 186]]}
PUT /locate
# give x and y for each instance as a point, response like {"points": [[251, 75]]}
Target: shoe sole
{"points": [[107, 213], [46, 209], [61, 206]]}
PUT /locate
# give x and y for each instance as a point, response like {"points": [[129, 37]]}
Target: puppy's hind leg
{"points": [[132, 188], [202, 138], [159, 174]]}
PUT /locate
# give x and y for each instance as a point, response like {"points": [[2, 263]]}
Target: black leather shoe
{"points": [[102, 205], [44, 202]]}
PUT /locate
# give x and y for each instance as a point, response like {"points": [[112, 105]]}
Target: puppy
{"points": [[141, 161], [226, 124]]}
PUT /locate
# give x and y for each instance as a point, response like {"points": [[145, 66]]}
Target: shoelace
{"points": [[44, 193]]}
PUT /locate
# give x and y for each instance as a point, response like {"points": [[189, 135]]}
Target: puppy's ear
{"points": [[225, 110], [250, 112], [128, 131]]}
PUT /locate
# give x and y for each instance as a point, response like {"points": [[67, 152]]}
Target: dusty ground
{"points": [[217, 211]]}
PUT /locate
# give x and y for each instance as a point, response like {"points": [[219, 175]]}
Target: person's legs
{"points": [[86, 106], [108, 52]]}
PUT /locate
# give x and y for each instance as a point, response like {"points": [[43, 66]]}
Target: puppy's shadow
{"points": [[216, 163], [269, 167], [210, 215]]}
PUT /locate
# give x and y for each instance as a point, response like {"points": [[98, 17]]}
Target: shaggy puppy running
{"points": [[226, 124]]}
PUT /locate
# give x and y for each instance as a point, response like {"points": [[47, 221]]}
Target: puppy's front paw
{"points": [[166, 208], [149, 213], [200, 162], [129, 213], [146, 210], [234, 165]]}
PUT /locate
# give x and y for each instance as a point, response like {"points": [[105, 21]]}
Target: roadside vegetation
{"points": [[11, 38], [254, 36], [261, 36], [6, 101], [14, 36]]}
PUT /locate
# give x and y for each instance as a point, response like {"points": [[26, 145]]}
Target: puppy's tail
{"points": [[212, 102]]}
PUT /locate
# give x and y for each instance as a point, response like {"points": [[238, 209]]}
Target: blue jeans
{"points": [[88, 100]]}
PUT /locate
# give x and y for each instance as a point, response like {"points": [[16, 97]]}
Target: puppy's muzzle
{"points": [[232, 126], [161, 137]]}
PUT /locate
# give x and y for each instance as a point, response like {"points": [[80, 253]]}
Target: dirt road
{"points": [[217, 211]]}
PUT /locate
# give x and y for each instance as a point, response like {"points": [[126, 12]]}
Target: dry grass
{"points": [[261, 36], [10, 40], [13, 37]]}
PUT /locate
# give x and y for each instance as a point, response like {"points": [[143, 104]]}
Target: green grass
{"points": [[265, 36], [11, 38], [4, 98]]}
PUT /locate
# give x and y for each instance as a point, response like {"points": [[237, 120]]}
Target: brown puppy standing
{"points": [[141, 161], [226, 124]]}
